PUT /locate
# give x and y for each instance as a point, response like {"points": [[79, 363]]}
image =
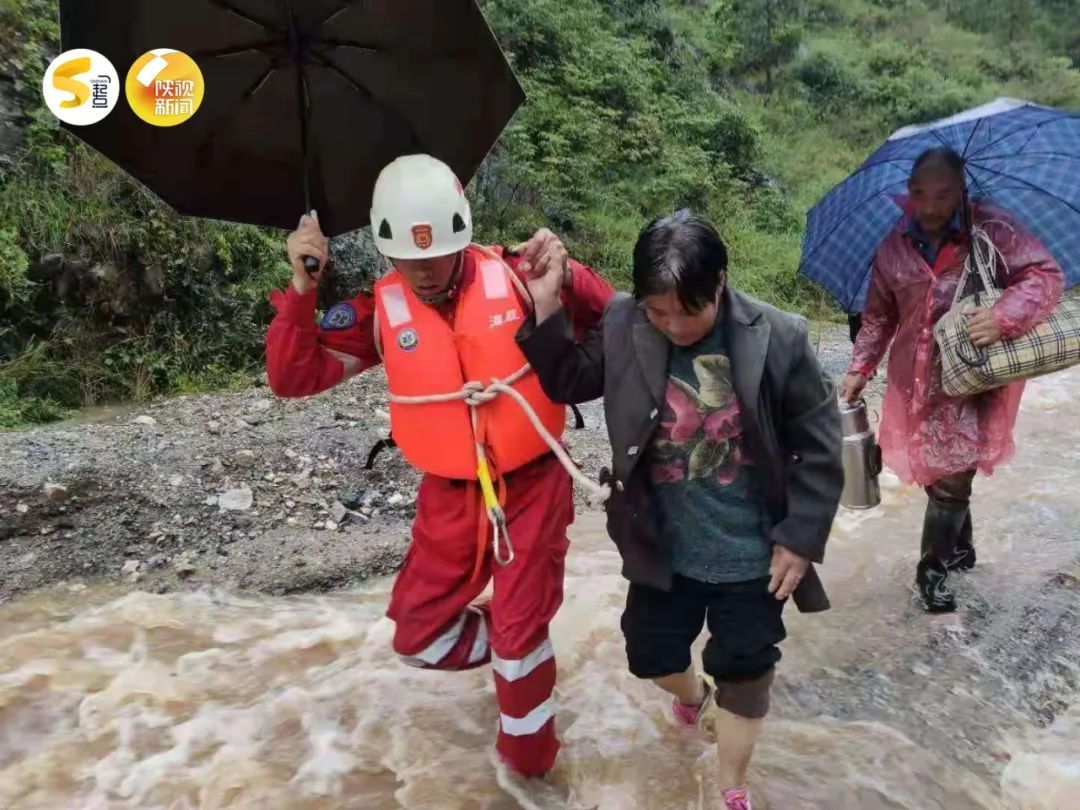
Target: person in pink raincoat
{"points": [[926, 436]]}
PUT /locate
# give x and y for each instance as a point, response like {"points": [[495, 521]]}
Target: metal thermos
{"points": [[861, 457]]}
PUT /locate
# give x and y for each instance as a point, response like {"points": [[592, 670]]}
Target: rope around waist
{"points": [[476, 395]]}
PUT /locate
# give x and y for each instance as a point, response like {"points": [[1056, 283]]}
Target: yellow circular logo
{"points": [[81, 87], [165, 87]]}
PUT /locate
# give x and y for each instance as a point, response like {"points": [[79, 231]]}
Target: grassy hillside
{"points": [[745, 109]]}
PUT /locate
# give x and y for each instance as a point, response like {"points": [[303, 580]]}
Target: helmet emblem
{"points": [[422, 236]]}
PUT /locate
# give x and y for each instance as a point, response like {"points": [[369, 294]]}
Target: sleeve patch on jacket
{"points": [[339, 316]]}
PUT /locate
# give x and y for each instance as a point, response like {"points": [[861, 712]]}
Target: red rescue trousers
{"points": [[439, 628]]}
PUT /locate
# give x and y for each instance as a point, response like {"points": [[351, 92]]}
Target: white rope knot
{"points": [[476, 394]]}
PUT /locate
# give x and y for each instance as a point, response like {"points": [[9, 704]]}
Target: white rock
{"points": [[396, 499], [22, 508], [331, 526], [236, 500], [176, 480], [260, 406], [145, 421], [130, 567], [338, 512]]}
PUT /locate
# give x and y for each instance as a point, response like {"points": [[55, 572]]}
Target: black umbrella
{"points": [[306, 100]]}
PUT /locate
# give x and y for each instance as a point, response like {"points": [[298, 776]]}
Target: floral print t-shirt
{"points": [[704, 489]]}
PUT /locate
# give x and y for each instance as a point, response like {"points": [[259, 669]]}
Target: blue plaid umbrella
{"points": [[1023, 157]]}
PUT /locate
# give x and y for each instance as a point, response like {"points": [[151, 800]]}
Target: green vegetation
{"points": [[147, 303], [747, 110]]}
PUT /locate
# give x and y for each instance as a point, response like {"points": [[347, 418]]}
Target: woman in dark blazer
{"points": [[726, 471]]}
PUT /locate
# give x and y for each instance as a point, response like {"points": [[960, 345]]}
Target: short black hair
{"points": [[680, 252], [940, 158]]}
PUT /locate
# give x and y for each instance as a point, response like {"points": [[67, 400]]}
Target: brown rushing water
{"points": [[113, 700]]}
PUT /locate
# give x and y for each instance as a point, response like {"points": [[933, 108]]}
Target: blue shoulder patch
{"points": [[339, 316]]}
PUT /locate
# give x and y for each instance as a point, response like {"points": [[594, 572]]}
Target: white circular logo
{"points": [[81, 87]]}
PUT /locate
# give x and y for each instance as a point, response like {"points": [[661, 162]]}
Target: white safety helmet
{"points": [[419, 210]]}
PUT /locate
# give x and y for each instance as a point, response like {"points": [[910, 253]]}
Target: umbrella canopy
{"points": [[306, 100], [1024, 157]]}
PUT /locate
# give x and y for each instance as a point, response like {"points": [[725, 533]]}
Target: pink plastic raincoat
{"points": [[926, 434]]}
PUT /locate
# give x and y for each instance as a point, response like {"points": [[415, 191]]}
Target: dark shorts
{"points": [[745, 627]]}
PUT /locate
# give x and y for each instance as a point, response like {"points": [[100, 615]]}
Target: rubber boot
{"points": [[963, 558], [942, 528], [936, 595]]}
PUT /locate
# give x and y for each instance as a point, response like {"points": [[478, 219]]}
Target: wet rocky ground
{"points": [[246, 491]]}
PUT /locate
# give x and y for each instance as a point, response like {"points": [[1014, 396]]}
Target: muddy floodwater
{"points": [[118, 699]]}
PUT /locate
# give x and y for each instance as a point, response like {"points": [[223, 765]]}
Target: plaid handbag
{"points": [[967, 370]]}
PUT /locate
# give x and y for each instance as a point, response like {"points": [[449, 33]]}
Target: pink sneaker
{"points": [[737, 799], [690, 716]]}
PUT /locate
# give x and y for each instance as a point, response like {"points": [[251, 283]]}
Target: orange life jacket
{"points": [[424, 356]]}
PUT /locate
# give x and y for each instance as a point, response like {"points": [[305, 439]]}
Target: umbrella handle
{"points": [[311, 264]]}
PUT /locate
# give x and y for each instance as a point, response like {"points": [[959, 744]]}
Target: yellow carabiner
{"points": [[491, 500], [495, 515]]}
